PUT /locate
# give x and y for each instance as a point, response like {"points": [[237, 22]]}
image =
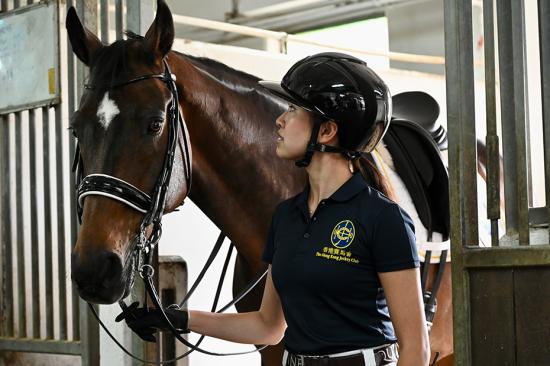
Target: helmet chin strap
{"points": [[313, 146], [303, 162]]}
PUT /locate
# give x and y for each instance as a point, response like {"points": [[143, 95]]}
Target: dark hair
{"points": [[373, 177], [365, 167]]}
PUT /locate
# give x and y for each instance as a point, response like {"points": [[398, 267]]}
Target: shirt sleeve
{"points": [[394, 242]]}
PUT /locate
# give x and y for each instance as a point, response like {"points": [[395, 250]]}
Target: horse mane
{"points": [[219, 70], [239, 82], [132, 35], [222, 71]]}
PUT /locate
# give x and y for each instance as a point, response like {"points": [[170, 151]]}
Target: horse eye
{"points": [[155, 126]]}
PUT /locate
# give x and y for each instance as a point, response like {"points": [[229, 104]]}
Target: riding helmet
{"points": [[338, 87]]}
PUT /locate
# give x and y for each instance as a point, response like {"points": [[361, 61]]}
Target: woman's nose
{"points": [[279, 122]]}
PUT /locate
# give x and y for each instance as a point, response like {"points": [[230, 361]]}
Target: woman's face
{"points": [[293, 130]]}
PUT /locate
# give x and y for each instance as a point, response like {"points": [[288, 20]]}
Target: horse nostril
{"points": [[98, 276], [111, 269]]}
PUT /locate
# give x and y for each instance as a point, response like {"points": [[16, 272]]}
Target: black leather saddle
{"points": [[422, 109], [414, 140]]}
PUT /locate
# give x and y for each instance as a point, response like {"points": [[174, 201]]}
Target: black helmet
{"points": [[342, 88]]}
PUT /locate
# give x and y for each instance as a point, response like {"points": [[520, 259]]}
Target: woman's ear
{"points": [[328, 133]]}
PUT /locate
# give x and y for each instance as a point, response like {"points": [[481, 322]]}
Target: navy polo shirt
{"points": [[325, 268]]}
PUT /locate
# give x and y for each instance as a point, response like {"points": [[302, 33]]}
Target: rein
{"points": [[152, 206]]}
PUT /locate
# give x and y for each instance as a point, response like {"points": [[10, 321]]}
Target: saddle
{"points": [[414, 140], [422, 109]]}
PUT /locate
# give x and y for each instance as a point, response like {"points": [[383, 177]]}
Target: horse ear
{"points": [[83, 42], [160, 36]]}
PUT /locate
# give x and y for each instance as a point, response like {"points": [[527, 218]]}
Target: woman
{"points": [[342, 254]]}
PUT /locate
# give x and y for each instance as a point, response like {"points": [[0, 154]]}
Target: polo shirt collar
{"points": [[348, 190]]}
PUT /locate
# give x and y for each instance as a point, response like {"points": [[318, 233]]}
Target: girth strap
{"points": [[430, 297]]}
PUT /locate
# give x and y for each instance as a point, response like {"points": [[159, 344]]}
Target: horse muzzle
{"points": [[99, 277]]}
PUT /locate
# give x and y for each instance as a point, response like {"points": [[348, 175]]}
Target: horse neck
{"points": [[237, 178]]}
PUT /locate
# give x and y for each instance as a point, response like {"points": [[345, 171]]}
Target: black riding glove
{"points": [[146, 321]]}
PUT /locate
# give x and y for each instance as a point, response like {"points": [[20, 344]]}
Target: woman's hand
{"points": [[146, 321]]}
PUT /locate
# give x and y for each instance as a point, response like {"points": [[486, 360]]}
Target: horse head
{"points": [[123, 130]]}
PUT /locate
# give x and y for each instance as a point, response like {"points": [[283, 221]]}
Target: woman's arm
{"points": [[265, 326], [402, 289]]}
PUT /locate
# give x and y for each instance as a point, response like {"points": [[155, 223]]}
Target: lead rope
{"points": [[151, 290], [147, 277]]}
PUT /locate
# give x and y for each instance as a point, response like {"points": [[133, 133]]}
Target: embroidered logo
{"points": [[343, 234]]}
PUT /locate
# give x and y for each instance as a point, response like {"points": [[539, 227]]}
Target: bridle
{"points": [[152, 206]]}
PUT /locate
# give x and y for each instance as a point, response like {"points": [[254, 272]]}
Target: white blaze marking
{"points": [[106, 111]]}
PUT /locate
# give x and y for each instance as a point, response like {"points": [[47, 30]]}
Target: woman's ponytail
{"points": [[372, 176]]}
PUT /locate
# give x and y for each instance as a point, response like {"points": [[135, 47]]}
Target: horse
{"points": [[237, 178]]}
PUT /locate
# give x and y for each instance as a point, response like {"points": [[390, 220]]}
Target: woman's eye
{"points": [[155, 127]]}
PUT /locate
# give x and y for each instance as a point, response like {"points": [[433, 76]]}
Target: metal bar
{"points": [[460, 112], [22, 301], [137, 346], [89, 336], [516, 256], [118, 19], [5, 229], [78, 90], [507, 107], [139, 16], [35, 280], [104, 11], [491, 140], [71, 92], [234, 10], [282, 8], [283, 36], [168, 341], [48, 240], [31, 105], [3, 241], [520, 119], [283, 45], [467, 123], [544, 43], [74, 235], [39, 346], [61, 241], [89, 328]]}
